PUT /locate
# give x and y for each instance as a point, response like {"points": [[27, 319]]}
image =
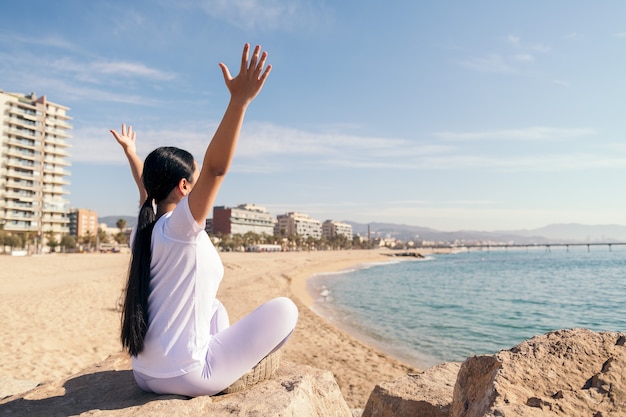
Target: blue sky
{"points": [[483, 115]]}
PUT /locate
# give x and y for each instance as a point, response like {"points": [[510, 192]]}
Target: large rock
{"points": [[573, 372], [428, 394], [108, 389]]}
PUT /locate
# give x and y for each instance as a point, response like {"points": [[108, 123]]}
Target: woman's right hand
{"points": [[126, 139]]}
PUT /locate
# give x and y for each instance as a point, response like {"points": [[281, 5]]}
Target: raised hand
{"points": [[126, 139], [248, 83]]}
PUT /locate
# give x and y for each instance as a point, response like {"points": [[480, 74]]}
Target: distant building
{"points": [[297, 224], [264, 248], [34, 135], [332, 229], [242, 219], [83, 222]]}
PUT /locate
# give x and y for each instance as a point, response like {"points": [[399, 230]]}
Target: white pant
{"points": [[233, 350]]}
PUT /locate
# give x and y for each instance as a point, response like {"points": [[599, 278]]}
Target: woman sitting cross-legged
{"points": [[176, 330]]}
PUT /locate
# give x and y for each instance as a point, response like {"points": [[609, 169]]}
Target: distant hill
{"points": [[111, 221], [579, 232], [555, 233]]}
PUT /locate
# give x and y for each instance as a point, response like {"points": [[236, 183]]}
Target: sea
{"points": [[447, 307]]}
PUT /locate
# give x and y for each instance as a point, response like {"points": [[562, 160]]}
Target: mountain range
{"points": [[554, 233]]}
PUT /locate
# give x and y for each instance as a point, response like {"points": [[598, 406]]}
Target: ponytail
{"points": [[135, 311], [162, 171]]}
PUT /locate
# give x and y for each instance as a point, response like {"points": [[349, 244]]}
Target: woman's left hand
{"points": [[248, 83]]}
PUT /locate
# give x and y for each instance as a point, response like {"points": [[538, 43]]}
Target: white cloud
{"points": [[574, 36], [506, 62], [130, 69], [524, 57], [530, 133], [492, 63], [267, 14], [49, 41], [90, 70], [265, 148], [514, 40], [562, 83], [539, 47]]}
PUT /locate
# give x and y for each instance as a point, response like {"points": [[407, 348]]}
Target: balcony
{"points": [[20, 226], [56, 161], [55, 220], [18, 215], [24, 143], [22, 195], [22, 122], [58, 122], [57, 132], [53, 150], [19, 205], [47, 169], [23, 185], [54, 191], [56, 209], [58, 142], [55, 180], [58, 229], [23, 105], [24, 132], [21, 174], [20, 163]]}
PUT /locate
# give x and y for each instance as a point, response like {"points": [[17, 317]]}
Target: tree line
{"points": [[225, 242]]}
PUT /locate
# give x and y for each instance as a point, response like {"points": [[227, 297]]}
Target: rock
{"points": [[574, 372], [108, 389], [428, 394], [10, 386]]}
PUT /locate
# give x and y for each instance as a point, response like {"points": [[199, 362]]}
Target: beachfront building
{"points": [[34, 134], [331, 229], [83, 222], [297, 224], [242, 219]]}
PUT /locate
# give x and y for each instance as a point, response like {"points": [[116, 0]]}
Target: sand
{"points": [[59, 314]]}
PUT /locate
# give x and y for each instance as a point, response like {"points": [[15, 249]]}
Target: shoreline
{"points": [[48, 302]]}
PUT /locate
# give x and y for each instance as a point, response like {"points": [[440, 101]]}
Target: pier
{"points": [[548, 246]]}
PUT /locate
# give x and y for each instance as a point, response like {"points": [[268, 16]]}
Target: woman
{"points": [[174, 327]]}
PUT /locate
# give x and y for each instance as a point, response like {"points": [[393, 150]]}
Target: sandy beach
{"points": [[59, 314]]}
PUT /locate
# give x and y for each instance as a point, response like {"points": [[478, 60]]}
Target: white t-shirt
{"points": [[185, 271]]}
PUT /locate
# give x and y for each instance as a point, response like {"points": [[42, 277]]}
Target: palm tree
{"points": [[121, 224]]}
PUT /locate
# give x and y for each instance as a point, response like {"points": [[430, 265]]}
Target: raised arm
{"points": [[127, 141], [219, 154]]}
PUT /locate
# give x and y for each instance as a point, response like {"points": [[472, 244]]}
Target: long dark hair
{"points": [[162, 170]]}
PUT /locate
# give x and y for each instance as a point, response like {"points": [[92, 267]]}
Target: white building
{"points": [[242, 219], [297, 224], [34, 146], [332, 229]]}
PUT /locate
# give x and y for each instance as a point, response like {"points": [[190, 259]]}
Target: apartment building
{"points": [[83, 222], [242, 219], [332, 229], [297, 224], [34, 134]]}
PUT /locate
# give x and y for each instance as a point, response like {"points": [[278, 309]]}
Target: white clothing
{"points": [[190, 348], [185, 271], [232, 351]]}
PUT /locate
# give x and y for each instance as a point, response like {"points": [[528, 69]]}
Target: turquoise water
{"points": [[449, 307]]}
